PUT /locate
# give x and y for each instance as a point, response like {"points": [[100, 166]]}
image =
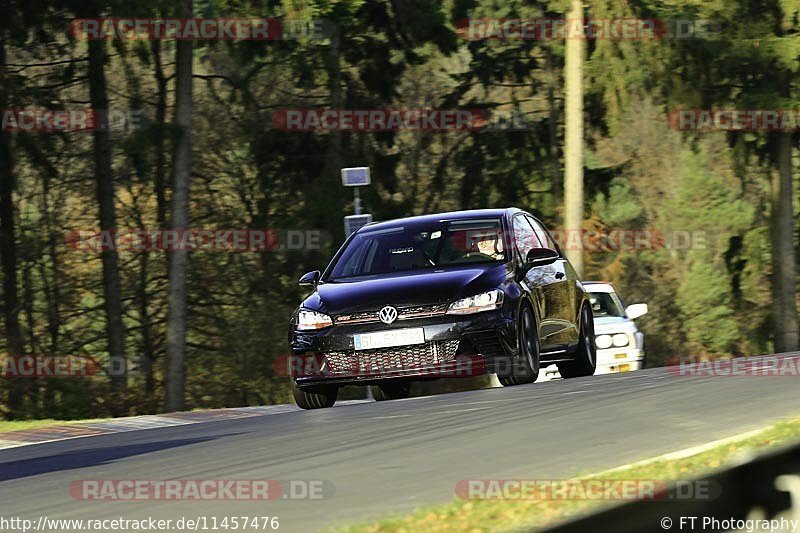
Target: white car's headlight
{"points": [[619, 340], [603, 341], [486, 301], [310, 320]]}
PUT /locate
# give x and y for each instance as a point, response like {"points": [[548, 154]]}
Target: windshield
{"points": [[606, 304], [418, 246]]}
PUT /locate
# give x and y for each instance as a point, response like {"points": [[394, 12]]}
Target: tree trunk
{"points": [[784, 291], [115, 328], [325, 208], [552, 130], [148, 349], [158, 139], [176, 320], [573, 145], [52, 287], [148, 357], [8, 251]]}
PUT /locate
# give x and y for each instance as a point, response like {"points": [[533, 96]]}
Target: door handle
{"points": [[560, 275]]}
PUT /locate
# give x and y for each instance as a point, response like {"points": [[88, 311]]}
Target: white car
{"points": [[620, 345]]}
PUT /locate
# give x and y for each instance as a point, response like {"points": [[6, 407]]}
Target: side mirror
{"points": [[636, 310], [540, 257], [310, 279]]}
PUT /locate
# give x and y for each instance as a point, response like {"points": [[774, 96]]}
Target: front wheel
{"points": [[585, 362], [316, 398], [396, 389], [526, 368]]}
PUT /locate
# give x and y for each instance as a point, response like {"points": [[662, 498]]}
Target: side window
{"points": [[542, 234], [524, 236]]}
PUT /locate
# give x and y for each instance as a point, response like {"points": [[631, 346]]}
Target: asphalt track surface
{"points": [[392, 457]]}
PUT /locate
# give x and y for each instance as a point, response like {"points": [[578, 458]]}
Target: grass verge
{"points": [[488, 515]]}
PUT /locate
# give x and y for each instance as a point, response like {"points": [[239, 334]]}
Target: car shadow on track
{"points": [[88, 457]]}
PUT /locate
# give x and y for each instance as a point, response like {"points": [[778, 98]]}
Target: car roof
{"points": [[452, 215]]}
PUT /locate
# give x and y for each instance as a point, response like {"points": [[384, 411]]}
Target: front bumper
{"points": [[455, 346], [611, 360]]}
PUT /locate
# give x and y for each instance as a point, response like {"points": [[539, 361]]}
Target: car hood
{"points": [[613, 324], [404, 288]]}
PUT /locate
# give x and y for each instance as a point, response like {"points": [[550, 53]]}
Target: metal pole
{"points": [[356, 201], [573, 142], [357, 209]]}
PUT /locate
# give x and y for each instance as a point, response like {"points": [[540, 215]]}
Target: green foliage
{"points": [[710, 298], [619, 207], [705, 303]]}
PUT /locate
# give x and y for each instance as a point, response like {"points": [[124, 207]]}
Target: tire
{"points": [[317, 398], [395, 389], [585, 362], [527, 369]]}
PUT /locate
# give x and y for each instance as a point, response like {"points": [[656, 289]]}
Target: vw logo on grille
{"points": [[388, 314]]}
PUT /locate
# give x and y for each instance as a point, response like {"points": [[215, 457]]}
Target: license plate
{"points": [[389, 338], [620, 356]]}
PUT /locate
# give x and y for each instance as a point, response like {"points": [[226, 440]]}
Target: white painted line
{"points": [[688, 452]]}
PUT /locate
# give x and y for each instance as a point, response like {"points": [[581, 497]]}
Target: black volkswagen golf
{"points": [[446, 295]]}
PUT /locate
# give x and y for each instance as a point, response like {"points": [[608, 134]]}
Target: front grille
{"points": [[356, 318], [399, 357], [403, 313]]}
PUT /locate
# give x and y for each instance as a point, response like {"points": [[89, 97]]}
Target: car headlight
{"points": [[619, 340], [310, 320], [603, 341], [486, 301]]}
